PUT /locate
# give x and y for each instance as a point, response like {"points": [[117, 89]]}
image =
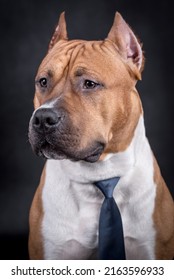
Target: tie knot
{"points": [[107, 186]]}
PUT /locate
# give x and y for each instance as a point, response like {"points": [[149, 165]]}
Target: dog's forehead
{"points": [[59, 55], [76, 53]]}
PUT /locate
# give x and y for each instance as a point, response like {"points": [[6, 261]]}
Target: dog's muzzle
{"points": [[53, 135], [47, 130]]}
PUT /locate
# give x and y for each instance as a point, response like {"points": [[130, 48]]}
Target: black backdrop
{"points": [[26, 27]]}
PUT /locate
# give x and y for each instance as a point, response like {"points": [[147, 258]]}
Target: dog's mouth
{"points": [[91, 154], [94, 155], [47, 151]]}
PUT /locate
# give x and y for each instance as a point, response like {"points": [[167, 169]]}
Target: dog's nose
{"points": [[46, 119]]}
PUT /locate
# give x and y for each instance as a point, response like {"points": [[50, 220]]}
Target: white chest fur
{"points": [[72, 203]]}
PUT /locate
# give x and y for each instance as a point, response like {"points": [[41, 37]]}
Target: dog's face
{"points": [[85, 95]]}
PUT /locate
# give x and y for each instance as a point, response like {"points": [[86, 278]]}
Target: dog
{"points": [[88, 123]]}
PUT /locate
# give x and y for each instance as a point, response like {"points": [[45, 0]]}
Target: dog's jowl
{"points": [[88, 122]]}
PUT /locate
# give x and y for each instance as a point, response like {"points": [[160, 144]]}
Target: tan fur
{"points": [[163, 218], [35, 220]]}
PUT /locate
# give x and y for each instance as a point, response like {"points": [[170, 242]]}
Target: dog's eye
{"points": [[43, 82], [89, 84]]}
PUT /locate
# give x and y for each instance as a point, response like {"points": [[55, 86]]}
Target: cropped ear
{"points": [[60, 32], [128, 45]]}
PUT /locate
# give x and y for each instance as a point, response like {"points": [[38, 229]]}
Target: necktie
{"points": [[111, 240]]}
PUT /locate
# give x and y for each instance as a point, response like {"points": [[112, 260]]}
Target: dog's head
{"points": [[85, 102]]}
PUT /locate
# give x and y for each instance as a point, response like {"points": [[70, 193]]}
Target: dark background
{"points": [[26, 28]]}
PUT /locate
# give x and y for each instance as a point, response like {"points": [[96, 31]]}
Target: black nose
{"points": [[46, 119]]}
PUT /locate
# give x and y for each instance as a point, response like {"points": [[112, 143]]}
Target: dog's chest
{"points": [[70, 223], [71, 219]]}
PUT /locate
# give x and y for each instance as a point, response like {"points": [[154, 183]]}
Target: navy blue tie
{"points": [[111, 240]]}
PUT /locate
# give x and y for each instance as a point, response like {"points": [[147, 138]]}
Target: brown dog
{"points": [[88, 121]]}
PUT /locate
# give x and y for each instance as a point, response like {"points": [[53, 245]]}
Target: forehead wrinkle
{"points": [[62, 57], [83, 53]]}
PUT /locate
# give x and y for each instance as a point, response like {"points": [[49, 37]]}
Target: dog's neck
{"points": [[117, 164]]}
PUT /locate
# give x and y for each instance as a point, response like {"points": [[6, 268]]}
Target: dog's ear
{"points": [[60, 32], [127, 43]]}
